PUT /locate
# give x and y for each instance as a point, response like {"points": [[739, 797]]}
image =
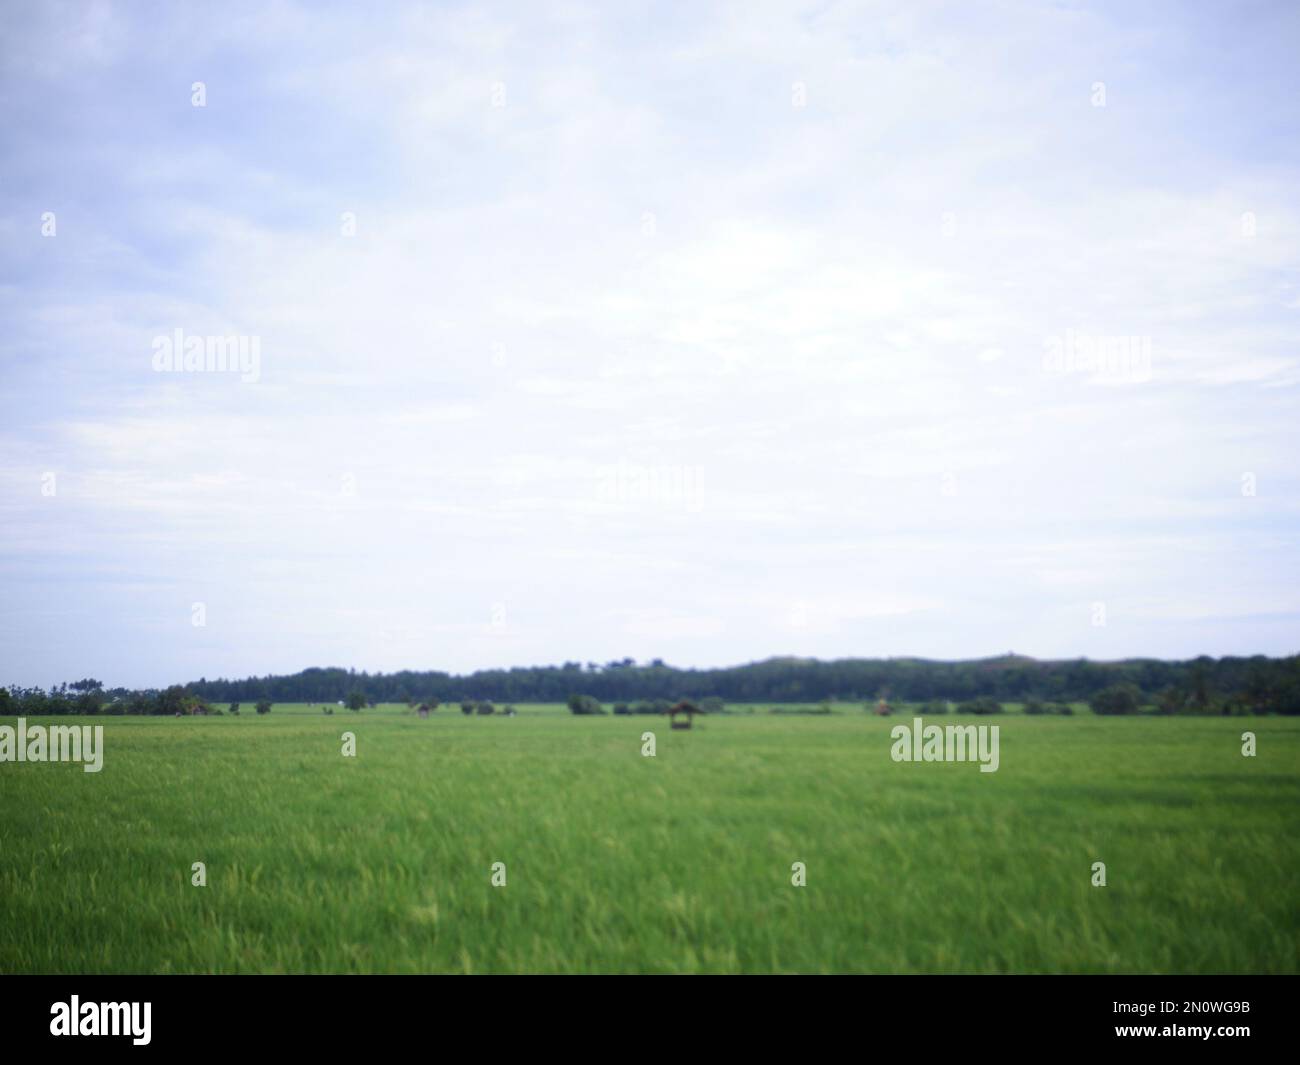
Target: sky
{"points": [[706, 332]]}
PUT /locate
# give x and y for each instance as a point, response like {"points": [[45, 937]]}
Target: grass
{"points": [[674, 864]]}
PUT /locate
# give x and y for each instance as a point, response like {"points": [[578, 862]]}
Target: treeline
{"points": [[1201, 685], [1266, 684], [91, 697]]}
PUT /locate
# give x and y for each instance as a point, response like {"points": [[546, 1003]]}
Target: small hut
{"points": [[883, 708], [687, 709], [423, 710]]}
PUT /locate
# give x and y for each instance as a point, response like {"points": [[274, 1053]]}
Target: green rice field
{"points": [[677, 863]]}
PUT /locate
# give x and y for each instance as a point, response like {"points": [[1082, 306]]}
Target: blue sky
{"points": [[698, 331]]}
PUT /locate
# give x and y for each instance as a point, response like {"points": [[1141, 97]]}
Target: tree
{"points": [[712, 704], [196, 705], [585, 704], [467, 707], [1259, 691], [263, 707], [1171, 700], [1117, 699], [1200, 682], [485, 708], [172, 700], [356, 700], [89, 700], [1288, 697], [141, 703], [982, 705], [234, 709]]}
